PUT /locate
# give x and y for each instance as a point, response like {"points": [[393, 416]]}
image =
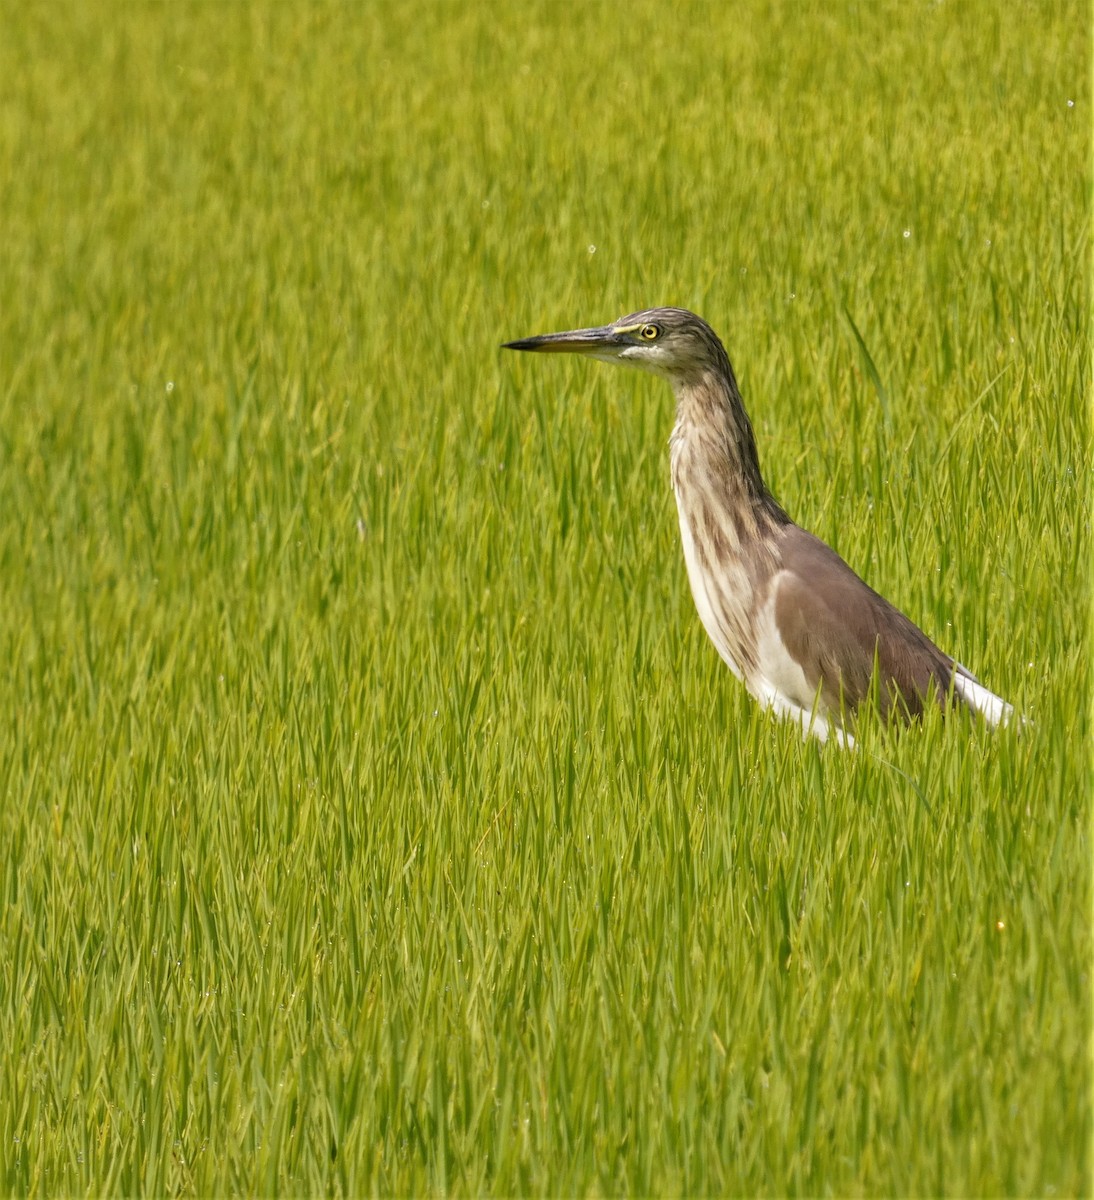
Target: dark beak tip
{"points": [[577, 341]]}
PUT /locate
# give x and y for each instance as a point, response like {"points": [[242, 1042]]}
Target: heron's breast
{"points": [[720, 585]]}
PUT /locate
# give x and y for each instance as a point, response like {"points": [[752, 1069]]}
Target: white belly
{"points": [[779, 683]]}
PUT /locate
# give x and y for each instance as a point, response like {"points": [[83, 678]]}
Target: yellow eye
{"points": [[649, 333]]}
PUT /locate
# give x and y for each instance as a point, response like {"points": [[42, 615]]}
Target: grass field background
{"points": [[375, 815]]}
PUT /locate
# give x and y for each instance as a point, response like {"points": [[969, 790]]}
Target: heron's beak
{"points": [[601, 341]]}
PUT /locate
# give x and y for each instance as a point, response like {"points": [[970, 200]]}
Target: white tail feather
{"points": [[994, 709]]}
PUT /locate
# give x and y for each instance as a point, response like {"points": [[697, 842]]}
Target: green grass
{"points": [[376, 816]]}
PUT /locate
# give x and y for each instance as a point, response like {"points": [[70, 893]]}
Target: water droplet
{"points": [[1071, 104], [907, 233], [592, 248], [170, 385]]}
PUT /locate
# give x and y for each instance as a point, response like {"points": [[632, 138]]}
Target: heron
{"points": [[792, 621]]}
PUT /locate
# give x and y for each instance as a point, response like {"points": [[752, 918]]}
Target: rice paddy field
{"points": [[375, 817]]}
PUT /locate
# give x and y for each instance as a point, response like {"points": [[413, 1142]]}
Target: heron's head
{"points": [[671, 342]]}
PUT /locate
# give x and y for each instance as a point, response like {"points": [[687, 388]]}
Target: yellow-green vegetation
{"points": [[376, 816]]}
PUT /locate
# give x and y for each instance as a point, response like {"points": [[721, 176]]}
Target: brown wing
{"points": [[833, 624]]}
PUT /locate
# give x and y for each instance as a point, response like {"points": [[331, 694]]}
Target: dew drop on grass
{"points": [[907, 233], [592, 248]]}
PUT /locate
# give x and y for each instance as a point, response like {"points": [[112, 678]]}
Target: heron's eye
{"points": [[650, 333]]}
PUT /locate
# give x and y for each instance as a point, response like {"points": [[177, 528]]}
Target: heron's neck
{"points": [[713, 440]]}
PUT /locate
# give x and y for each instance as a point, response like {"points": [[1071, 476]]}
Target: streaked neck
{"points": [[713, 442]]}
